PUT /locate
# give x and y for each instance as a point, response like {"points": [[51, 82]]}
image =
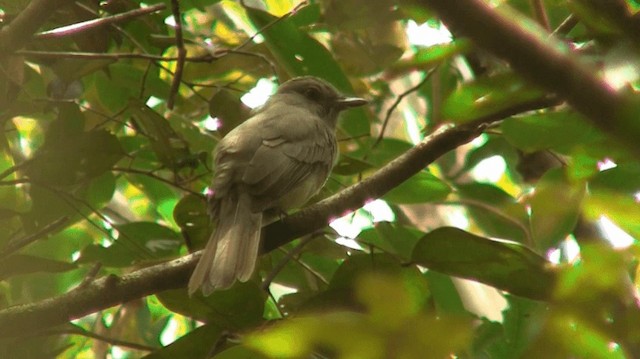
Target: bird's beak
{"points": [[346, 102]]}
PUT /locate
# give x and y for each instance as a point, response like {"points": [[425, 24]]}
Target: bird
{"points": [[275, 161]]}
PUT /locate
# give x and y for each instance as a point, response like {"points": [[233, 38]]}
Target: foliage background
{"points": [[104, 153]]}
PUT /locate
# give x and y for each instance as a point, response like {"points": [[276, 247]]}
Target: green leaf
{"points": [[340, 290], [420, 188], [428, 57], [226, 106], [558, 130], [495, 211], [67, 161], [172, 150], [523, 320], [237, 308], [445, 294], [613, 194], [555, 208], [196, 344], [300, 55], [385, 151], [357, 264], [391, 237], [190, 213], [348, 166], [240, 352], [488, 96], [25, 264], [495, 146], [503, 264], [137, 241]]}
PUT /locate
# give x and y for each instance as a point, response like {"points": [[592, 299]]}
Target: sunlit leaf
{"points": [[488, 96]]}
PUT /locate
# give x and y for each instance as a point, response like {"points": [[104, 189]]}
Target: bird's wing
{"points": [[296, 150], [274, 155]]}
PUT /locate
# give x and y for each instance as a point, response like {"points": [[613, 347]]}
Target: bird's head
{"points": [[320, 96]]}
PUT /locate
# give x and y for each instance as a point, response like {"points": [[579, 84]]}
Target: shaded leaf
{"points": [[136, 241], [172, 150], [226, 106], [559, 130], [555, 208], [237, 308], [348, 166], [190, 213], [70, 160], [505, 265], [196, 344], [391, 237], [445, 294], [385, 151], [420, 188], [19, 264], [495, 211]]}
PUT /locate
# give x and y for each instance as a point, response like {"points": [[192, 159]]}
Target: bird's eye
{"points": [[312, 93]]}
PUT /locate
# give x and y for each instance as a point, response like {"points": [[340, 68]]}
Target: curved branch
{"points": [[103, 293], [111, 290], [546, 62]]}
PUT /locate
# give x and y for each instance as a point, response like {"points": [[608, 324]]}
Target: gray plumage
{"points": [[274, 161]]}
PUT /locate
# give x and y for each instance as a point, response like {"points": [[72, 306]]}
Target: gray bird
{"points": [[274, 161]]}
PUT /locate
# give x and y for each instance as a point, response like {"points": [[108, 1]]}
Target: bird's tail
{"points": [[232, 250]]}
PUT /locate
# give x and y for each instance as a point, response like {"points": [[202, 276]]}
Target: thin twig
{"points": [[91, 275], [397, 102], [541, 14], [112, 341], [14, 182], [74, 29], [567, 25], [17, 244], [156, 177], [283, 262], [182, 54], [68, 198], [112, 56], [265, 27]]}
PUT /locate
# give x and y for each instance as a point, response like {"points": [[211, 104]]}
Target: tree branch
{"points": [[15, 35], [111, 290], [74, 29], [103, 293], [546, 62]]}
